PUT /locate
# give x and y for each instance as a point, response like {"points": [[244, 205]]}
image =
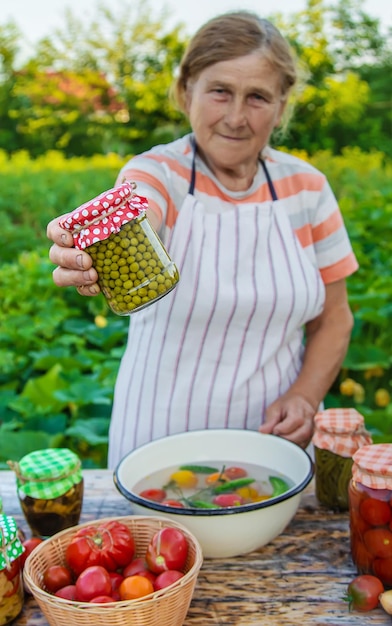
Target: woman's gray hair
{"points": [[230, 36]]}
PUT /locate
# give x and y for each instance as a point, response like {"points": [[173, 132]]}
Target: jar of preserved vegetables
{"points": [[338, 434], [370, 500], [134, 269], [50, 489], [11, 584]]}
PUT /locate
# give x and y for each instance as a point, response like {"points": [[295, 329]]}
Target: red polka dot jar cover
{"points": [[105, 214]]}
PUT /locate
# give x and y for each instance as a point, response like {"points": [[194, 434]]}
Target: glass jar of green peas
{"points": [[134, 269]]}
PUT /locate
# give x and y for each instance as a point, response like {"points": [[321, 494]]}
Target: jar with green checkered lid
{"points": [[11, 585], [50, 489]]}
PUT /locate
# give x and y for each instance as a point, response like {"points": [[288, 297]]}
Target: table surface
{"points": [[299, 578]]}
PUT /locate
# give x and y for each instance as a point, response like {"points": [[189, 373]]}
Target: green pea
{"points": [[133, 270]]}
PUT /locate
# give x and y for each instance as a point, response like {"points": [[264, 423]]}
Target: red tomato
{"points": [[363, 592], [175, 503], [138, 567], [116, 580], [168, 549], [156, 495], [68, 592], [13, 570], [148, 574], [167, 578], [102, 600], [375, 512], [56, 577], [362, 557], [359, 524], [233, 473], [228, 499], [379, 542], [135, 567], [29, 545], [92, 582], [383, 569], [110, 545]]}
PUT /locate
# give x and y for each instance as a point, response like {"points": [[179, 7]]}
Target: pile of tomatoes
{"points": [[101, 564], [371, 533]]}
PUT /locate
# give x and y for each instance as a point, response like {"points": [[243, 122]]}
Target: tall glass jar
{"points": [[370, 500], [11, 584], [50, 489], [134, 269], [338, 434]]}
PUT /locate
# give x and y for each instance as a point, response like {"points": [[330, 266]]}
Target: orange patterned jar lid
{"points": [[341, 431], [373, 466]]}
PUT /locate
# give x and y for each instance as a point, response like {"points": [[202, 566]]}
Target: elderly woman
{"points": [[256, 331]]}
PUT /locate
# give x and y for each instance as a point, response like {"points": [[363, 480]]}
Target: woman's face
{"points": [[233, 106]]}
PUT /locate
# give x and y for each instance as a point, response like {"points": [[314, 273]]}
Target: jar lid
{"points": [[341, 431], [10, 545], [47, 473], [373, 466], [98, 218]]}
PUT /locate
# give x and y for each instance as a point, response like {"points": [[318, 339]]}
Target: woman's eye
{"points": [[258, 96]]}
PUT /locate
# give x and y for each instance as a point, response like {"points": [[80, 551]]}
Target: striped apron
{"points": [[228, 340]]}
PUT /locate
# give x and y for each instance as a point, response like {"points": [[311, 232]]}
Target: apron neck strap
{"points": [[191, 189], [271, 187]]}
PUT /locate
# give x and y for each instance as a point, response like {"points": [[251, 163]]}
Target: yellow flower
{"points": [[374, 372], [347, 387], [100, 321], [359, 393], [382, 397]]}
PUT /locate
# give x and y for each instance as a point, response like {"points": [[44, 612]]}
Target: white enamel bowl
{"points": [[224, 532]]}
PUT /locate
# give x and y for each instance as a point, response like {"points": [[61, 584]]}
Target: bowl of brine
{"points": [[236, 490]]}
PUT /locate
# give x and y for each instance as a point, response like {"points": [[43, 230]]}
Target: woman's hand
{"points": [[74, 267], [327, 339], [290, 416]]}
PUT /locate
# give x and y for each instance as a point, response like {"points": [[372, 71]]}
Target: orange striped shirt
{"points": [[163, 175]]}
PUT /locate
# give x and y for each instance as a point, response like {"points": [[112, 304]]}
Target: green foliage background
{"points": [[90, 95]]}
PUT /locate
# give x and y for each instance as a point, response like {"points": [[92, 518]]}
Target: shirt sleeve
{"points": [[151, 182], [334, 254], [321, 231]]}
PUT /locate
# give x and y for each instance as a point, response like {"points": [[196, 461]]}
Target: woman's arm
{"points": [[327, 340]]}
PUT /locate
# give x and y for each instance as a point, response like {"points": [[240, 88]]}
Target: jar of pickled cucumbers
{"points": [[370, 500], [50, 489], [11, 584], [134, 269], [338, 433]]}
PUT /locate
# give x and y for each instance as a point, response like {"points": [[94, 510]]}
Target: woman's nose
{"points": [[236, 113]]}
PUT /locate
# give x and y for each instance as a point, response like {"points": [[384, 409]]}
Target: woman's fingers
{"points": [[70, 258], [64, 277], [74, 267], [59, 235]]}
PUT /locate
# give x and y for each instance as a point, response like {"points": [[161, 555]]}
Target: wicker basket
{"points": [[167, 607]]}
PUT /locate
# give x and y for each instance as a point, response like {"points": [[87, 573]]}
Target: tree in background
{"points": [[136, 53], [69, 111], [9, 48], [347, 97], [104, 86]]}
